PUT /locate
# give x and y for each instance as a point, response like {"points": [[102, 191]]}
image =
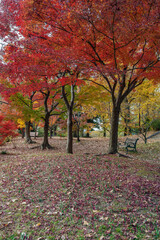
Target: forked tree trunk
{"points": [[45, 144], [145, 138], [113, 142]]}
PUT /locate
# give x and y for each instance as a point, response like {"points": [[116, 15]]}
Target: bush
{"points": [[8, 139], [4, 152], [156, 125], [40, 132]]}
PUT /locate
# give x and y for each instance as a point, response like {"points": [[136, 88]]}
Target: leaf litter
{"points": [[53, 195]]}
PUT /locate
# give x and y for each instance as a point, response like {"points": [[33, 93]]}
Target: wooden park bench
{"points": [[129, 144]]}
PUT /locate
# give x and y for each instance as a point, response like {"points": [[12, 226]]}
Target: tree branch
{"points": [[64, 97]]}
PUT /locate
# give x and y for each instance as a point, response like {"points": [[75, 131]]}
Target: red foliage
{"points": [[70, 81], [113, 42], [7, 128]]}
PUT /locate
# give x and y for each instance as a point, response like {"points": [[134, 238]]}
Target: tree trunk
{"points": [[69, 132], [45, 144], [75, 133], [55, 130], [70, 105], [36, 128], [139, 117], [145, 140], [51, 131], [127, 117], [82, 132], [113, 142], [87, 134], [27, 132], [23, 132], [78, 139], [125, 131], [104, 128]]}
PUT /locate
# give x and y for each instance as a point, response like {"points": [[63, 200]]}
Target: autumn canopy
{"points": [[114, 44]]}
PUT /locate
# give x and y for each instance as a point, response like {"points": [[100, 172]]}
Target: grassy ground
{"points": [[88, 195]]}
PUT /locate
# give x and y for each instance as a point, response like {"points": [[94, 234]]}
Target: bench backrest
{"points": [[131, 140]]}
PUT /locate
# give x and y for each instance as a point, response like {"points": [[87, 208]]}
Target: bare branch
{"points": [[3, 102], [64, 97]]}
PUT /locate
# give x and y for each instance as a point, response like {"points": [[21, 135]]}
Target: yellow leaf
{"points": [[96, 211], [38, 224]]}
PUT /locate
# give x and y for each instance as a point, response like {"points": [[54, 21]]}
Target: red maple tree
{"points": [[7, 129], [115, 41]]}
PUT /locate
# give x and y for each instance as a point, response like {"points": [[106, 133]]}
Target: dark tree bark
{"points": [[45, 144], [69, 132], [104, 132], [48, 114], [117, 99]]}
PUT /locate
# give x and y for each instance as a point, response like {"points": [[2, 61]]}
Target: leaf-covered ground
{"points": [[88, 195]]}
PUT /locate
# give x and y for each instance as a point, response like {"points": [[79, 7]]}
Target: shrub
{"points": [[156, 125]]}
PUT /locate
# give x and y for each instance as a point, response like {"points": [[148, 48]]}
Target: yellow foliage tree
{"points": [[141, 108]]}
